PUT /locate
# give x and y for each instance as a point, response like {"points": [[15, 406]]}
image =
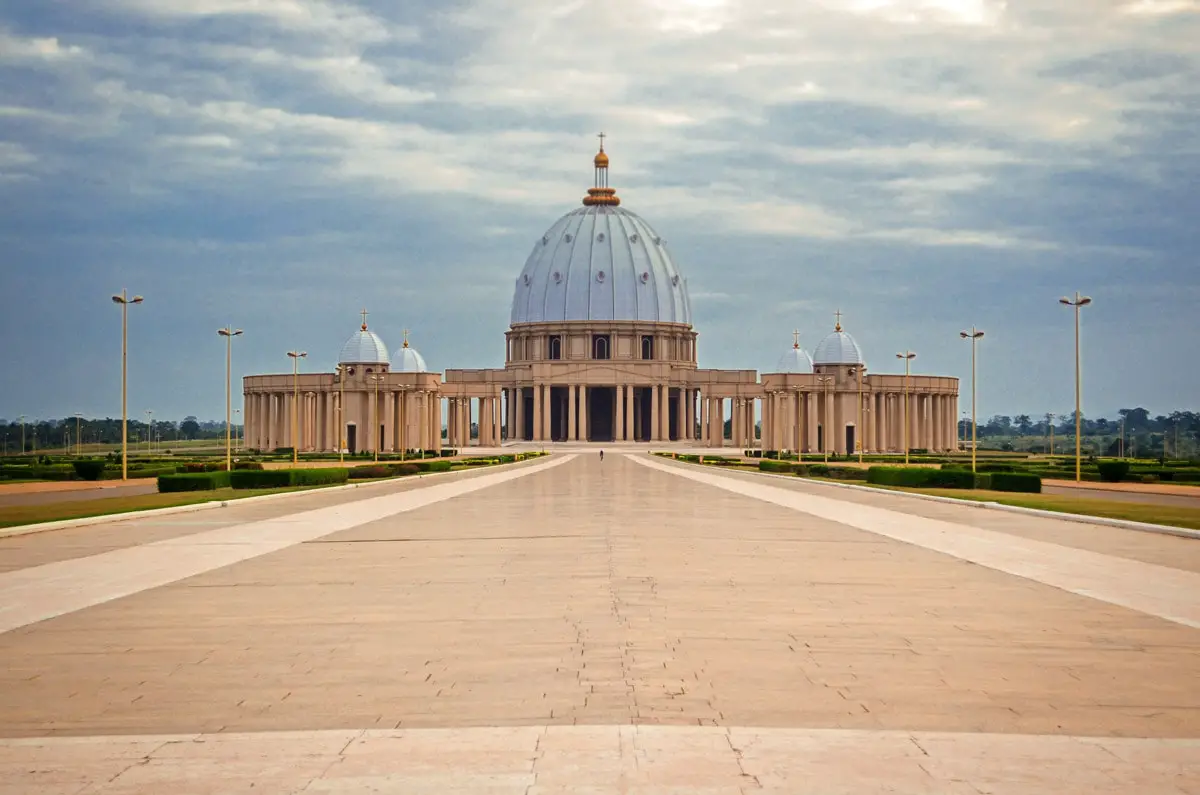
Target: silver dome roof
{"points": [[794, 360], [838, 348], [407, 360], [364, 347]]}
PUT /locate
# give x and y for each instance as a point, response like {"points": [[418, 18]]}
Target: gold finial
{"points": [[364, 322], [601, 194], [838, 325], [796, 339], [405, 338]]}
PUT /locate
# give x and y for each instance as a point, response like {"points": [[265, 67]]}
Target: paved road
{"points": [[568, 625], [47, 497], [1181, 500]]}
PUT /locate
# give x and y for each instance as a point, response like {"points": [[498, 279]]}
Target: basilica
{"points": [[601, 348]]}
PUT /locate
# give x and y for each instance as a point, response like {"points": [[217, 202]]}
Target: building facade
{"points": [[601, 348]]}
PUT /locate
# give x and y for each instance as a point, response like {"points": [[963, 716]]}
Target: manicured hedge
{"points": [[279, 478], [1113, 471], [89, 468], [923, 477], [247, 465], [370, 471], [404, 469], [434, 466], [193, 481], [771, 465], [1016, 481]]}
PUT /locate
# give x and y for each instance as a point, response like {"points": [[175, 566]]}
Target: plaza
{"points": [[601, 347], [575, 625]]}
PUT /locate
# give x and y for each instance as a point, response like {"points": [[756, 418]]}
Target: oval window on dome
{"points": [[675, 280], [545, 239], [567, 237], [634, 238], [525, 278], [600, 238], [557, 277], [599, 276], [645, 276]]}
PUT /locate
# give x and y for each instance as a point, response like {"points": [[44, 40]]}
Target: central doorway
{"points": [[601, 401], [351, 438]]}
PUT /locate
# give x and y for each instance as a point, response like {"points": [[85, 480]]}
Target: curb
{"points": [[83, 521], [1128, 524]]}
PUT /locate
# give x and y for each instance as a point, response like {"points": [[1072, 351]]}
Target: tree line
{"points": [[41, 434]]}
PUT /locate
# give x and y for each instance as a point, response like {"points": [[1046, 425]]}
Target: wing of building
{"points": [[600, 348]]}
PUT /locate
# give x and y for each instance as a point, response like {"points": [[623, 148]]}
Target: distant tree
{"points": [[189, 427], [1024, 424]]}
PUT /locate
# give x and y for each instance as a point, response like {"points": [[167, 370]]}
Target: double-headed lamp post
{"points": [[907, 356], [78, 436], [124, 301], [229, 332], [974, 335], [296, 357], [342, 371], [825, 381], [149, 429], [1079, 302], [377, 379]]}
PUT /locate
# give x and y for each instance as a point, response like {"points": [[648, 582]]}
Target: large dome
{"points": [[794, 360], [838, 348], [407, 360], [600, 262], [364, 347]]}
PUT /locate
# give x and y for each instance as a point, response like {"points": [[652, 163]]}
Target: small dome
{"points": [[601, 160], [838, 348], [364, 347], [794, 360], [407, 360]]}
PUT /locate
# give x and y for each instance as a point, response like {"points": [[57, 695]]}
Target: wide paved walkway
{"points": [[567, 625]]}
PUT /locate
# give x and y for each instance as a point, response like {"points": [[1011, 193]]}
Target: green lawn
{"points": [[1174, 515]]}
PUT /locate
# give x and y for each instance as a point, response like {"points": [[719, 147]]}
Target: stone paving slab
{"points": [[601, 759], [1173, 551]]}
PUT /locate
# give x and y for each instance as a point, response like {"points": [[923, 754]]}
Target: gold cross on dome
{"points": [[796, 338], [364, 316], [601, 136], [838, 315]]}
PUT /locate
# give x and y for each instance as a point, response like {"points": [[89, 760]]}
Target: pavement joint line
{"points": [[38, 593], [1128, 524], [83, 521], [1145, 587]]}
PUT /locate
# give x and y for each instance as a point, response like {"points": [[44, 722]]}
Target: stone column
{"points": [[654, 434], [436, 406], [619, 410], [572, 398], [584, 430], [689, 414], [630, 435], [537, 412]]}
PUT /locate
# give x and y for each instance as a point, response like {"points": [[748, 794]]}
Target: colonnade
{"points": [[407, 419], [458, 421], [629, 419], [793, 419]]}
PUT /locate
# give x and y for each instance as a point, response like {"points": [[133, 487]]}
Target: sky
{"points": [[920, 165]]}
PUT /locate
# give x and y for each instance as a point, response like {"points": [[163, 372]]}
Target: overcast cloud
{"points": [[923, 165]]}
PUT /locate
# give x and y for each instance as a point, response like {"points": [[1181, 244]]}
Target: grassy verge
{"points": [[12, 516], [1174, 515]]}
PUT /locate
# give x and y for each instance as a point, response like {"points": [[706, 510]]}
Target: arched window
{"points": [[555, 348], [600, 348], [647, 347]]}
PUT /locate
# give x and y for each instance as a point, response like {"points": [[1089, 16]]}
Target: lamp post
{"points": [[237, 432], [376, 379], [149, 429], [296, 357], [1121, 442], [229, 332], [1079, 302], [974, 335], [124, 301], [825, 381], [342, 369], [907, 356], [861, 429], [21, 420], [78, 437]]}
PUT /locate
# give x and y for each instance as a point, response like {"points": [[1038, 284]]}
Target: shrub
{"points": [[404, 469], [260, 478], [447, 452], [1113, 471], [769, 465], [370, 471], [434, 466], [89, 468], [193, 481], [924, 477], [248, 465], [950, 478], [1016, 481], [846, 473]]}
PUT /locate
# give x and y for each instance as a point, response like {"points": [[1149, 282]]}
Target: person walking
{"points": [[601, 455]]}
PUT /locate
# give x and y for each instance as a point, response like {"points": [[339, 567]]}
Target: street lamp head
{"points": [[118, 299], [137, 299], [1065, 301], [297, 354], [1084, 301]]}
